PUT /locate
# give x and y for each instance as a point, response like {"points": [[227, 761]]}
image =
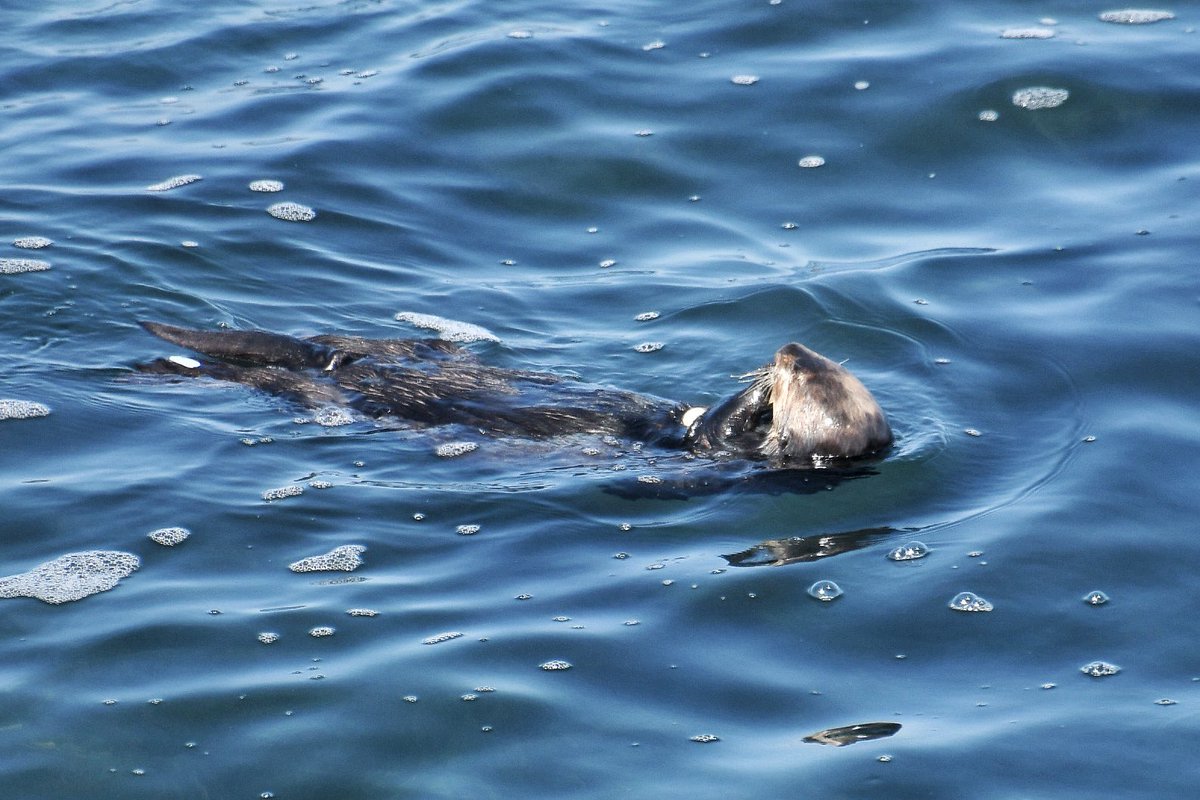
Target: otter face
{"points": [[800, 410]]}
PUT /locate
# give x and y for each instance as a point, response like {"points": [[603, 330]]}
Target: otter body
{"points": [[801, 410]]}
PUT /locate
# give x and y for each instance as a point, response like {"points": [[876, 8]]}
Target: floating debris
{"points": [[969, 601], [1135, 16], [448, 329], [32, 242], [266, 186], [291, 212], [73, 576], [1036, 97], [825, 591], [852, 734], [22, 409], [14, 266], [169, 537], [346, 558], [173, 183]]}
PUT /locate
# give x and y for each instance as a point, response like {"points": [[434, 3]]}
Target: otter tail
{"points": [[251, 348]]}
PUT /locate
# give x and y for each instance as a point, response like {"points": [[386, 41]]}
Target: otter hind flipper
{"points": [[256, 348]]}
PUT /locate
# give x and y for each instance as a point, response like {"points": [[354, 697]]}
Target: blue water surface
{"points": [[1017, 285]]}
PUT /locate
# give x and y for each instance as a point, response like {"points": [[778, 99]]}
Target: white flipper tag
{"points": [[184, 361], [692, 414]]}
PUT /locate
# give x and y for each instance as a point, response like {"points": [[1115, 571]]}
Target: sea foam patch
{"points": [[448, 329], [73, 576]]}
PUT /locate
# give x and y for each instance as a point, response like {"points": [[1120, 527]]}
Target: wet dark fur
{"points": [[799, 411]]}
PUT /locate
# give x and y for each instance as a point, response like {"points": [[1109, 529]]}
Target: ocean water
{"points": [[1000, 239]]}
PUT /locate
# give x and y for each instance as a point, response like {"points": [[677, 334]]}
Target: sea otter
{"points": [[801, 410]]}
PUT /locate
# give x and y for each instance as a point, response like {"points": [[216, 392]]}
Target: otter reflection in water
{"points": [[800, 410]]}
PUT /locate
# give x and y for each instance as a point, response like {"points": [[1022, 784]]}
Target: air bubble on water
{"points": [[972, 432], [266, 185], [367, 73], [862, 85], [521, 34], [562, 619], [291, 212], [909, 551], [15, 266], [825, 591], [1135, 16], [608, 262], [811, 162], [73, 576], [410, 698], [362, 612], [321, 631], [632, 622], [319, 484], [173, 183], [646, 316], [1088, 439], [1027, 33], [467, 698], [1165, 702], [1099, 669], [650, 479], [989, 115], [441, 637], [1036, 97], [268, 637], [744, 80], [555, 665], [655, 45], [705, 738], [346, 558], [621, 556], [523, 597], [448, 329], [333, 417], [643, 132], [969, 601], [21, 409], [467, 530], [283, 491], [169, 537], [625, 527], [454, 449], [649, 347], [32, 242], [1095, 598]]}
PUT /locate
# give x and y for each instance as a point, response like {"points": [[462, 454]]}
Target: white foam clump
{"points": [[282, 492], [1135, 16], [744, 80], [173, 183], [22, 409], [442, 637], [811, 162], [346, 558], [32, 242], [454, 449], [291, 212], [266, 186], [1036, 97], [73, 576], [333, 417], [1027, 33], [448, 329], [169, 537], [14, 266]]}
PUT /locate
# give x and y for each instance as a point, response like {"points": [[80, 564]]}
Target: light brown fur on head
{"points": [[819, 410]]}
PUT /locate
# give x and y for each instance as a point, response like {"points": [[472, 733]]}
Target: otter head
{"points": [[800, 410]]}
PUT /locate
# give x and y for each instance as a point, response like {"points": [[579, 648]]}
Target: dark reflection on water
{"points": [[1018, 290]]}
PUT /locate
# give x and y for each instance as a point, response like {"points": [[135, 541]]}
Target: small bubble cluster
{"points": [[291, 212], [346, 558], [1036, 97], [989, 115], [811, 162], [705, 738], [333, 417], [169, 537], [73, 576], [362, 612], [554, 665], [32, 242], [22, 409], [1095, 598], [744, 80], [1135, 16], [825, 591], [969, 601], [284, 491], [15, 266], [649, 347], [646, 316], [266, 186], [909, 551], [448, 329], [268, 637], [1027, 33], [1099, 669], [320, 631], [441, 637], [467, 530], [173, 183], [454, 449]]}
